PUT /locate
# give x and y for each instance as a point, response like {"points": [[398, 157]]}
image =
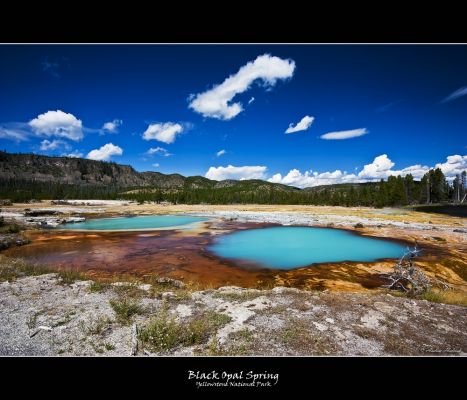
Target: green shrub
{"points": [[69, 276], [164, 333], [125, 308]]}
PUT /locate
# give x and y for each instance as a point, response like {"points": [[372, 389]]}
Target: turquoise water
{"points": [[124, 223], [293, 247]]}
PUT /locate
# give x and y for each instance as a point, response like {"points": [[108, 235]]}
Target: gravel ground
{"points": [[292, 218], [39, 316]]}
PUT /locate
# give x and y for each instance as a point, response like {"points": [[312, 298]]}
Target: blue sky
{"points": [[400, 109]]}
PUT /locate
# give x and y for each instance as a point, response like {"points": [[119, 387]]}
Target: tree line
{"points": [[395, 191]]}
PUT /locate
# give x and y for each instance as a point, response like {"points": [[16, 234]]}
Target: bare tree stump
{"points": [[408, 278]]}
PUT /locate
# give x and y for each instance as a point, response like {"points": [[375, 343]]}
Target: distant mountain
{"points": [[84, 172]]}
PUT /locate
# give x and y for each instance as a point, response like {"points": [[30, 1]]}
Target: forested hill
{"points": [[84, 172]]}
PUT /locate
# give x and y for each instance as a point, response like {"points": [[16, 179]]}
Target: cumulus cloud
{"points": [[380, 168], [220, 153], [340, 135], [47, 145], [59, 124], [454, 165], [417, 171], [313, 178], [303, 125], [112, 126], [455, 95], [160, 151], [105, 152], [74, 154], [240, 173], [163, 132], [216, 102]]}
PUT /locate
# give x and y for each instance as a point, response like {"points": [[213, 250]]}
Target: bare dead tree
{"points": [[409, 278]]}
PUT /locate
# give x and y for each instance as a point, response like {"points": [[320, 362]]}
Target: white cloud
{"points": [[303, 125], [16, 135], [417, 171], [455, 95], [344, 134], [313, 178], [105, 152], [74, 154], [47, 145], [59, 124], [215, 102], [163, 132], [241, 173], [251, 100], [454, 165], [159, 151], [156, 165], [220, 153], [112, 126], [380, 168]]}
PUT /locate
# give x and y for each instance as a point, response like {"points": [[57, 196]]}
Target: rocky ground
{"points": [[338, 220], [52, 315]]}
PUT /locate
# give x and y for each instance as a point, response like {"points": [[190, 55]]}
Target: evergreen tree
{"points": [[409, 189], [463, 185]]}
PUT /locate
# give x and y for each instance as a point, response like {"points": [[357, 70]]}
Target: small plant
{"points": [[69, 276], [162, 333], [129, 290], [9, 227], [125, 308], [109, 346], [445, 296], [14, 228], [244, 295], [359, 225], [11, 269], [32, 321], [98, 287], [199, 329], [97, 326], [216, 349], [65, 320], [97, 348], [244, 334]]}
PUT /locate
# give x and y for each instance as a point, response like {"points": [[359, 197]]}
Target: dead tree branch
{"points": [[409, 278]]}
